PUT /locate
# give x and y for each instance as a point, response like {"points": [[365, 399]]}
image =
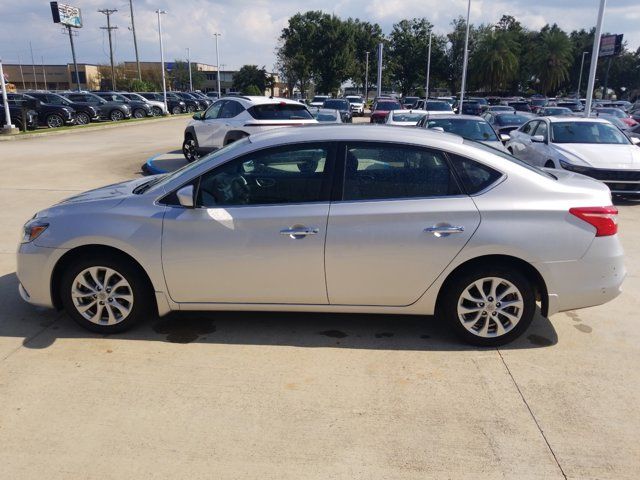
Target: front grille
{"points": [[614, 175]]}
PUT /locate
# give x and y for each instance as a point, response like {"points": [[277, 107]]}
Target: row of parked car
{"points": [[32, 109]]}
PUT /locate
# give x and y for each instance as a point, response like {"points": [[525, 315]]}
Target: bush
{"points": [[253, 90]]}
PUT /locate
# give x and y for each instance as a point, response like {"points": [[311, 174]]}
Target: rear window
{"points": [[511, 119], [280, 111], [336, 104], [438, 107], [508, 157], [388, 106]]}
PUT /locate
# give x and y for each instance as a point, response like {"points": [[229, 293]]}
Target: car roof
{"points": [[248, 100], [451, 116], [563, 119]]}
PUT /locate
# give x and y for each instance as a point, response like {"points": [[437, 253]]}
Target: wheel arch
{"points": [[191, 132], [524, 267], [88, 250], [234, 135]]}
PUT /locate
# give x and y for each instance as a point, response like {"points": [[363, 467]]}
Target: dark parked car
{"points": [[381, 108], [505, 122], [537, 103], [518, 105], [29, 122], [342, 105], [573, 105], [549, 111], [174, 104], [469, 107], [192, 103], [85, 113], [410, 102], [203, 98], [51, 116], [114, 111], [138, 109], [484, 103]]}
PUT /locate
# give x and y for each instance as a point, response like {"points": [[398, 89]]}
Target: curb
{"points": [[90, 128], [150, 169]]}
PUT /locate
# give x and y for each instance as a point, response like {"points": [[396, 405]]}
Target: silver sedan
{"points": [[332, 219]]}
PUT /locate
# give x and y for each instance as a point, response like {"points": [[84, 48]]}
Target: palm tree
{"points": [[496, 59], [553, 57]]}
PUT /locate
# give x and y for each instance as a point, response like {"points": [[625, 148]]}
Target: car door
{"points": [[521, 140], [209, 125], [257, 233], [401, 220], [227, 121], [539, 153]]}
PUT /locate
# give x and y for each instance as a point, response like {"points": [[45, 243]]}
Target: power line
{"points": [[108, 12]]}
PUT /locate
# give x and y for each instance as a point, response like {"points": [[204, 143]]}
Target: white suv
{"points": [[357, 104], [232, 118]]}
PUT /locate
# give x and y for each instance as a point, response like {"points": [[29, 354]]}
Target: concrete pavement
{"points": [[279, 396]]}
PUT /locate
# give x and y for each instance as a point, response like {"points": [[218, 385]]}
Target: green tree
{"points": [[252, 90], [495, 59], [408, 45], [179, 76], [366, 37], [553, 57], [250, 76]]}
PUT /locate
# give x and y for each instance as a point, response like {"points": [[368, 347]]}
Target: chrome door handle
{"points": [[299, 232], [444, 230]]}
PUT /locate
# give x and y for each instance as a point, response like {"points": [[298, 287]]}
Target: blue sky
{"points": [[250, 28]]}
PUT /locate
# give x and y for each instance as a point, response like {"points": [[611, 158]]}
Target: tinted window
{"points": [[382, 171], [294, 174], [214, 110], [470, 129], [412, 117], [587, 132], [511, 119], [336, 104], [230, 109], [280, 111], [474, 176], [438, 106], [508, 157], [528, 128], [78, 98], [542, 130], [387, 106]]}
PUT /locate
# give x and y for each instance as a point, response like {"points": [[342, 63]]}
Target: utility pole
{"points": [[164, 83], [218, 63], [580, 77], [465, 61], [135, 41], [73, 54], [108, 12], [366, 80], [594, 58], [33, 65], [44, 73], [8, 126], [379, 88], [21, 74], [426, 90], [189, 62]]}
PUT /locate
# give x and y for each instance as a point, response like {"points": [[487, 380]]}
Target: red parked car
{"points": [[381, 109]]}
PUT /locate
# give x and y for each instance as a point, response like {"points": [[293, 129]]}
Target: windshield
{"points": [[280, 111], [587, 132], [438, 107], [557, 111], [388, 106], [538, 102], [412, 117], [478, 130], [616, 112], [508, 157], [355, 100], [336, 104], [511, 119]]}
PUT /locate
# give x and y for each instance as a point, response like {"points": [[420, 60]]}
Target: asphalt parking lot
{"points": [[300, 396]]}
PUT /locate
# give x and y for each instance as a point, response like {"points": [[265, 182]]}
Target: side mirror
{"points": [[504, 137], [437, 129], [185, 196], [635, 141], [197, 116], [537, 139]]}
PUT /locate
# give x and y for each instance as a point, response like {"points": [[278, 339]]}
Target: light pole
{"points": [[379, 88], [366, 80], [580, 77], [426, 90], [464, 62], [218, 63], [189, 62], [164, 83], [594, 58], [8, 127]]}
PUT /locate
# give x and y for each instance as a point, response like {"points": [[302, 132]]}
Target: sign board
{"points": [[66, 15], [610, 45]]}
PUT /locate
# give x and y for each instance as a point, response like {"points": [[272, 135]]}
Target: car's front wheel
{"points": [[489, 306], [176, 110], [105, 294], [116, 115], [54, 121], [139, 113], [82, 118], [190, 149]]}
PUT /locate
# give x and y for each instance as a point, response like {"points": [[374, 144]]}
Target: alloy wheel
{"points": [[116, 115], [54, 121], [190, 150], [102, 295], [490, 307], [139, 113], [82, 118]]}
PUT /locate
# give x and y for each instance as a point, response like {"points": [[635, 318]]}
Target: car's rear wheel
{"points": [[190, 148], [54, 121], [176, 110], [105, 294], [489, 306], [116, 115], [139, 113], [82, 118]]}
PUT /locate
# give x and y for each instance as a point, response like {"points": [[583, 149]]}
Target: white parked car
{"points": [[318, 101], [357, 104], [405, 118], [332, 219], [157, 107], [232, 118], [470, 127], [590, 146], [434, 107]]}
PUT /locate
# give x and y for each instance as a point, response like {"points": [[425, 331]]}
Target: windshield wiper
{"points": [[140, 189]]}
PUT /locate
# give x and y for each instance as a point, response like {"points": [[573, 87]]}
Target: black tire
{"points": [[190, 148], [139, 113], [82, 118], [176, 110], [448, 308], [55, 121], [116, 115], [157, 111], [142, 306]]}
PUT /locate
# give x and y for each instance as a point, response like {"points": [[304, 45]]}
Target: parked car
{"points": [[52, 116], [553, 111], [537, 103], [409, 102], [202, 97], [192, 103], [434, 107], [114, 111], [29, 122], [469, 107], [617, 112], [405, 118], [573, 105], [174, 104], [85, 113], [342, 105], [139, 108], [589, 146], [470, 127], [231, 119], [213, 95], [518, 105], [623, 105], [357, 104], [505, 122], [484, 104], [157, 106], [421, 223], [499, 108], [327, 115], [318, 100], [381, 108]]}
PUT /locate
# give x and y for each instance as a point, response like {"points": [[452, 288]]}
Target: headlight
{"points": [[33, 229]]}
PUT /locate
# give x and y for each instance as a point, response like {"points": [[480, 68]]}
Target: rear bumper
{"points": [[592, 280]]}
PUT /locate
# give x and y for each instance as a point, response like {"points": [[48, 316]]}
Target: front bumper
{"points": [[34, 269]]}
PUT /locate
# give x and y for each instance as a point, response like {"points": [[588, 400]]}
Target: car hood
{"points": [[113, 191], [598, 155]]}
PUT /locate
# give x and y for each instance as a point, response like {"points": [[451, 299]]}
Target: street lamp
{"points": [[580, 77], [189, 62], [426, 89], [594, 58], [366, 81], [465, 61], [8, 126], [164, 82], [218, 62]]}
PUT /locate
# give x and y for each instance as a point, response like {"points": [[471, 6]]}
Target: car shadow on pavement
{"points": [[40, 328]]}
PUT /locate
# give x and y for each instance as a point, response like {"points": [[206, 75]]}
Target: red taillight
{"points": [[604, 219]]}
